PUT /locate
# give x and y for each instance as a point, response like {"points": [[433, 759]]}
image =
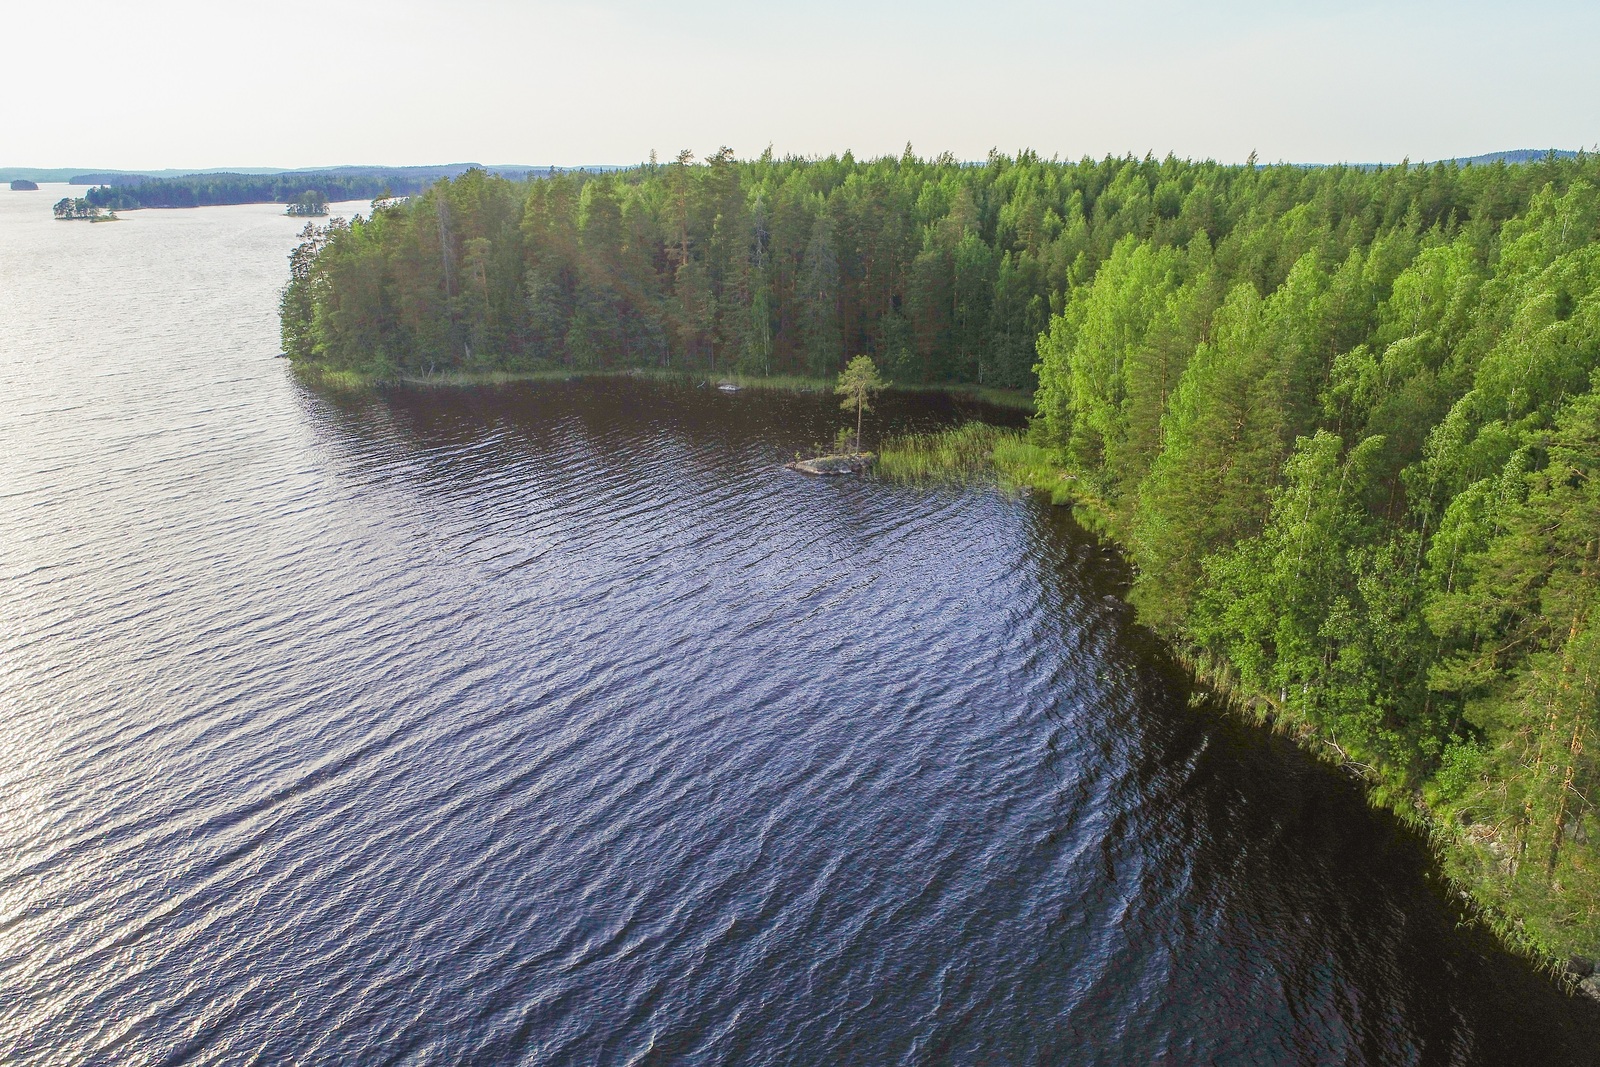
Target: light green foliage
{"points": [[1461, 770], [1224, 443], [1083, 359], [1414, 581], [857, 383]]}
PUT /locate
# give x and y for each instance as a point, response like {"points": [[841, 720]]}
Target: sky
{"points": [[186, 84]]}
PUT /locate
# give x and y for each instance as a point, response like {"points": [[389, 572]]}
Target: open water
{"points": [[560, 725]]}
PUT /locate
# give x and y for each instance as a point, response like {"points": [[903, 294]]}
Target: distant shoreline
{"points": [[351, 381], [89, 176]]}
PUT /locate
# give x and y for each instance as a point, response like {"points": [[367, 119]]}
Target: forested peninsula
{"points": [[126, 192], [1343, 420]]}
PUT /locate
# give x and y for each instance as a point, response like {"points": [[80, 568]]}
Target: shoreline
{"points": [[1379, 787], [1259, 710], [1018, 466], [350, 381], [982, 453]]}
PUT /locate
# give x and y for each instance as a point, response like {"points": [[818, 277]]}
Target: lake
{"points": [[558, 724]]}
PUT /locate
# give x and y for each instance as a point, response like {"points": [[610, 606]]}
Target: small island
{"points": [[309, 204], [834, 465], [68, 209], [23, 185], [857, 382]]}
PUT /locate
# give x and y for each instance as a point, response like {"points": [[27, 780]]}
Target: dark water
{"points": [[559, 725]]}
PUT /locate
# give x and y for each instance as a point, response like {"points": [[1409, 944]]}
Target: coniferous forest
{"points": [[1343, 420]]}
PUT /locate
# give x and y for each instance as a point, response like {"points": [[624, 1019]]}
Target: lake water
{"points": [[560, 725]]}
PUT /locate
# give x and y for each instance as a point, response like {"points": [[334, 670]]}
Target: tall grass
{"points": [[337, 381], [978, 454], [1024, 465], [964, 454], [786, 383]]}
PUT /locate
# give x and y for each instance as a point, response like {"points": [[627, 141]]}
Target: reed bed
{"points": [[962, 454], [977, 453]]}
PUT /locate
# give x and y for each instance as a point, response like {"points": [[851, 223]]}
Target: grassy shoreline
{"points": [[351, 381], [981, 454]]}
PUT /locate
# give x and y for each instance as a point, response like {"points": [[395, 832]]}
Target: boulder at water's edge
{"points": [[848, 463]]}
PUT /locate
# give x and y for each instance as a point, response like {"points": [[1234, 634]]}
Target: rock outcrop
{"points": [[847, 463]]}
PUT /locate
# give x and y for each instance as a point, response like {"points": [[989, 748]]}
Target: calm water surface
{"points": [[559, 725]]}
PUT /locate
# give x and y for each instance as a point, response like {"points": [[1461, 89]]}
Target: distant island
{"points": [[311, 203], [23, 185], [68, 209]]}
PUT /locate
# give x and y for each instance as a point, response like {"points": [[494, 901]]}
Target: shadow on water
{"points": [[1273, 900]]}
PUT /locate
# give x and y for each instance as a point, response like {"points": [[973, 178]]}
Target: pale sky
{"points": [[184, 83]]}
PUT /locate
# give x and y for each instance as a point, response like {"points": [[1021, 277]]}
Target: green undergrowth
{"points": [[977, 453], [355, 381]]}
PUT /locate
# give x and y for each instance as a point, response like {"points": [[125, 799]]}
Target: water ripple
{"points": [[561, 725]]}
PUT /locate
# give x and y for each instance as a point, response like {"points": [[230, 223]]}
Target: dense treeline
{"points": [[207, 190], [1343, 418], [941, 271], [1351, 445], [110, 178]]}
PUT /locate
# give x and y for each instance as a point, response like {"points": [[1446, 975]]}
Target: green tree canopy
{"points": [[857, 382]]}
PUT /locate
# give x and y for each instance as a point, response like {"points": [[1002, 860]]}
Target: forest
{"points": [[1343, 420], [127, 192], [1349, 445], [68, 208]]}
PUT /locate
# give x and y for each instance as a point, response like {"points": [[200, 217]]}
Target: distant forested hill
{"points": [[127, 192], [81, 175], [1519, 155], [112, 177]]}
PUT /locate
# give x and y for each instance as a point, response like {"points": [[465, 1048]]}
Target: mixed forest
{"points": [[1345, 421]]}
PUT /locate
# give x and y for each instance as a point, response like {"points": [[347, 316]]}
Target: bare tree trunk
{"points": [[1574, 750]]}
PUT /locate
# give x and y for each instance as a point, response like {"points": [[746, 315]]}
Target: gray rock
{"points": [[832, 466], [1582, 966], [1590, 987]]}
